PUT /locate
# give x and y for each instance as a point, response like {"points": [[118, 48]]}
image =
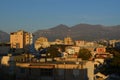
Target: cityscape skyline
{"points": [[31, 15], [22, 59]]}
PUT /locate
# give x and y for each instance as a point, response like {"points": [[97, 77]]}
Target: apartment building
{"points": [[41, 42], [68, 41], [20, 39]]}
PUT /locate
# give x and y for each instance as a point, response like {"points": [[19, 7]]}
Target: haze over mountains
{"points": [[78, 32]]}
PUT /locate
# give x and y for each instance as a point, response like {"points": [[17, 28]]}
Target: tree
{"points": [[111, 65], [52, 52], [85, 54]]}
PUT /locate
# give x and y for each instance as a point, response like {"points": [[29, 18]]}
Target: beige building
{"points": [[20, 39], [68, 69], [80, 43], [68, 41], [41, 42], [59, 71], [72, 49], [58, 41]]}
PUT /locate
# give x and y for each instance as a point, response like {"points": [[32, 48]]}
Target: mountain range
{"points": [[77, 32], [4, 37], [80, 32]]}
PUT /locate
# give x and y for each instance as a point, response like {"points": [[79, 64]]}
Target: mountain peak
{"points": [[4, 37], [60, 26], [83, 32]]}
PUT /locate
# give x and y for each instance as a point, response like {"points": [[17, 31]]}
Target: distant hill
{"points": [[77, 32], [80, 32], [4, 37]]}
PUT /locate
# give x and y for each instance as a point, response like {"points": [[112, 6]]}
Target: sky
{"points": [[32, 15]]}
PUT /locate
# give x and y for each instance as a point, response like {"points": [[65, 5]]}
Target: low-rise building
{"points": [[41, 42], [68, 69]]}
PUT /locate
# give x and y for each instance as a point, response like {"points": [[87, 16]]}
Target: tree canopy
{"points": [[52, 52], [111, 65], [85, 54]]}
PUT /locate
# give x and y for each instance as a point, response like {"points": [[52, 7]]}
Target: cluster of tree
{"points": [[85, 54], [111, 65], [53, 51], [50, 52]]}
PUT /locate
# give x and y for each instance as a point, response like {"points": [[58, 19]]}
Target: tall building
{"points": [[68, 41], [20, 39]]}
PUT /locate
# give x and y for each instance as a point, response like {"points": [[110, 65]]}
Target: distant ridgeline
{"points": [[4, 37], [78, 32]]}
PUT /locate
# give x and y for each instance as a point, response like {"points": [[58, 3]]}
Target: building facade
{"points": [[20, 39], [41, 42], [68, 41], [69, 69], [80, 43]]}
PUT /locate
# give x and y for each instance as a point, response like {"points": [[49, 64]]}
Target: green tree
{"points": [[85, 54], [111, 65], [52, 52]]}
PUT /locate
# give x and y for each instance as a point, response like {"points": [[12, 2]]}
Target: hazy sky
{"points": [[32, 15]]}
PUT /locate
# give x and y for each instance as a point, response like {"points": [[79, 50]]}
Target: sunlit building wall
{"points": [[41, 42], [68, 41], [20, 39], [80, 43]]}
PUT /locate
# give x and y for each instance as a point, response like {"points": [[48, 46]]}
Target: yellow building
{"points": [[20, 39], [80, 43], [41, 42], [68, 41]]}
